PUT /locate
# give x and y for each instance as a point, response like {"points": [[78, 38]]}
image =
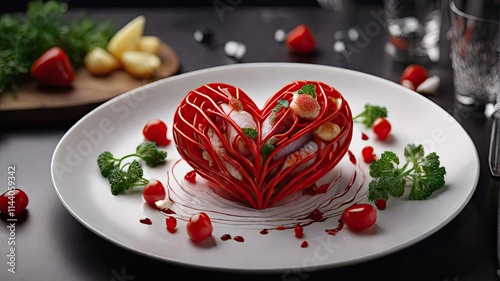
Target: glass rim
{"points": [[459, 12]]}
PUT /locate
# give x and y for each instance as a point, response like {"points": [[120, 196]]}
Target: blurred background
{"points": [[20, 5]]}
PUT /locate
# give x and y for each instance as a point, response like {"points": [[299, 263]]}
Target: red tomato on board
{"points": [[300, 40], [53, 68]]}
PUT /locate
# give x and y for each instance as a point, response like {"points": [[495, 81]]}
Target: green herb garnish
{"points": [[123, 177], [25, 37], [309, 89], [126, 177], [268, 147], [423, 172], [280, 104], [371, 112], [250, 132]]}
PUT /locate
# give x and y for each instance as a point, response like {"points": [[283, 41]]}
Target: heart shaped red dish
{"points": [[261, 156]]}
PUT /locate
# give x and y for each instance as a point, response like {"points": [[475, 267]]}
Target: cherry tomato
{"points": [[382, 128], [359, 216], [199, 227], [156, 130], [368, 155], [53, 68], [416, 74], [300, 40], [13, 202], [153, 191]]}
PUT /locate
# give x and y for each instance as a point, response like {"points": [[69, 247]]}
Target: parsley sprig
{"points": [[369, 114], [268, 147], [25, 37], [250, 132], [424, 172], [308, 89], [125, 176]]}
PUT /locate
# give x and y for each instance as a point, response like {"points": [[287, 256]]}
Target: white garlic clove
{"points": [[429, 86]]}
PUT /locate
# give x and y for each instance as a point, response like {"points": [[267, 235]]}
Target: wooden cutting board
{"points": [[33, 103]]}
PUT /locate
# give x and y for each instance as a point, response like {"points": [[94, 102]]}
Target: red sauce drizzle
{"points": [[264, 231], [168, 211], [146, 221], [352, 158], [304, 244], [315, 190], [239, 239], [333, 231], [225, 237], [364, 136]]}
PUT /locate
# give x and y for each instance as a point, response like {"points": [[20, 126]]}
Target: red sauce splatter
{"points": [[304, 244], [171, 223], [333, 231], [299, 231], [146, 221], [225, 237], [364, 136], [168, 211], [352, 158], [368, 154], [316, 215], [280, 227], [264, 231], [239, 239], [191, 176]]}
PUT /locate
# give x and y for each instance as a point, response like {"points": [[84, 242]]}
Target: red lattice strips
{"points": [[260, 157]]}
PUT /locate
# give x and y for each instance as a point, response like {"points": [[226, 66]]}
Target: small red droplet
{"points": [[146, 221], [364, 136], [225, 237], [299, 231], [264, 231], [239, 238], [368, 155], [381, 204], [304, 244], [171, 223], [352, 158], [280, 227]]}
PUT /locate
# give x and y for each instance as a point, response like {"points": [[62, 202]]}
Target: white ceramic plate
{"points": [[117, 126]]}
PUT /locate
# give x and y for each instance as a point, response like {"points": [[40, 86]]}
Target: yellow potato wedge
{"points": [[150, 44], [127, 38], [140, 64], [100, 62]]}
